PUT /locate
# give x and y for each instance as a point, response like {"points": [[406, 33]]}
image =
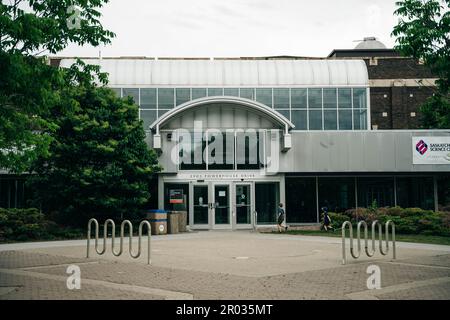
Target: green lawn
{"points": [[417, 238]]}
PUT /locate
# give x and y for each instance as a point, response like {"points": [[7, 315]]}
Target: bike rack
{"points": [[366, 240], [122, 234]]}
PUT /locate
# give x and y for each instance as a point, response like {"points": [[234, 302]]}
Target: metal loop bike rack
{"points": [[369, 252], [122, 235]]}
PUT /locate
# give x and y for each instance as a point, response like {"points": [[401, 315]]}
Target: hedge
{"points": [[407, 221], [31, 224]]}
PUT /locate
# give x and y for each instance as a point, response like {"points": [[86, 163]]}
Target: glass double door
{"points": [[218, 205]]}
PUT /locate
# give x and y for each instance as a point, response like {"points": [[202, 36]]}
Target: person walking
{"points": [[281, 218], [326, 219]]}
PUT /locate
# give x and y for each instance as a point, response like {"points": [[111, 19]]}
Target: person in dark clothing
{"points": [[326, 219], [281, 218]]}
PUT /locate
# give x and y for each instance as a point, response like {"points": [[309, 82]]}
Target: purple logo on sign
{"points": [[421, 147]]}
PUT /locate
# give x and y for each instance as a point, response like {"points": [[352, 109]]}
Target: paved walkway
{"points": [[222, 265]]}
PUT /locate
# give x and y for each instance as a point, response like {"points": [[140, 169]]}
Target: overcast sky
{"points": [[233, 28]]}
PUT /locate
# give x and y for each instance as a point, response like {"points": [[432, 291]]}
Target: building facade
{"points": [[236, 137]]}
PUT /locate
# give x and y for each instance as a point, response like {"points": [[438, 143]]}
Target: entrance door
{"points": [[221, 205], [200, 205], [243, 205]]}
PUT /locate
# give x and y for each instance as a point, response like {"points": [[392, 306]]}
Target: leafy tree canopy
{"points": [[423, 32], [29, 86], [100, 165]]}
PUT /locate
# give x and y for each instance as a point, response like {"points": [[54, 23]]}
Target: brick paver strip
{"points": [[163, 294], [22, 259], [374, 294]]}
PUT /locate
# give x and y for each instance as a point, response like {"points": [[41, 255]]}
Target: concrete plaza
{"points": [[223, 265]]}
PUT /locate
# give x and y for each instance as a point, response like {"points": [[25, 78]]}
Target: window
{"points": [[267, 199], [345, 98], [232, 92], [359, 98], [221, 151], [281, 98], [264, 96], [299, 119], [133, 93], [191, 153], [345, 120], [165, 98], [315, 120], [285, 113], [337, 194], [183, 95], [299, 98], [417, 192], [148, 98], [301, 200], [330, 119], [379, 190], [198, 93], [215, 92], [360, 119], [148, 116], [248, 150], [329, 98], [247, 93], [315, 98]]}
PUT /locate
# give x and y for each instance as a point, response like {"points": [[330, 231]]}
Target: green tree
{"points": [[29, 86], [423, 32], [99, 164]]}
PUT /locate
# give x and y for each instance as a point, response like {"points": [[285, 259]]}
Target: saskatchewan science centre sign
{"points": [[431, 150]]}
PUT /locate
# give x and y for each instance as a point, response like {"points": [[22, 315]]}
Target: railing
{"points": [[368, 252], [122, 234]]}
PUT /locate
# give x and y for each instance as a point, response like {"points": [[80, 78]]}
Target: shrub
{"points": [[407, 221], [31, 224], [337, 219]]}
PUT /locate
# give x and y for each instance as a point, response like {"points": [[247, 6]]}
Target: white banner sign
{"points": [[431, 150]]}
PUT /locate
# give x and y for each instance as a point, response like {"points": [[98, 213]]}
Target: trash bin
{"points": [[158, 221], [182, 220], [172, 222]]}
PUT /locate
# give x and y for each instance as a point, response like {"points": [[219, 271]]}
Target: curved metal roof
{"points": [[178, 72], [253, 105]]}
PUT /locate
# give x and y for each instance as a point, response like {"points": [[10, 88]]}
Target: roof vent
{"points": [[369, 43]]}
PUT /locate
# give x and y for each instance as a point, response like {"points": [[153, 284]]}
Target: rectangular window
{"points": [[376, 190], [281, 98], [345, 119], [299, 98], [315, 120], [248, 150], [345, 98], [267, 198], [247, 93], [198, 93], [212, 92], [194, 153], [330, 120], [315, 98], [285, 113], [360, 119], [161, 112], [415, 192], [221, 151], [299, 119], [337, 194], [264, 96], [329, 98], [148, 98], [231, 92], [301, 200], [165, 98], [183, 95], [148, 116], [133, 93], [359, 98]]}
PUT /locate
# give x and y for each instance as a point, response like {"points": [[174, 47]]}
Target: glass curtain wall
{"points": [[306, 108]]}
